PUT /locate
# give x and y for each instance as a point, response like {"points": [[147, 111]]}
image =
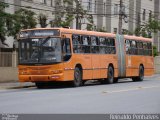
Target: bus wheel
{"points": [[115, 80], [110, 75], [77, 77], [40, 85], [141, 74]]}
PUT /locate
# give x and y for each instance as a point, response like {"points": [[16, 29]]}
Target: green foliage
{"points": [[153, 25], [42, 20], [25, 18], [138, 31], [155, 51], [90, 25], [3, 18], [101, 30], [11, 24], [66, 13], [145, 30], [22, 19]]}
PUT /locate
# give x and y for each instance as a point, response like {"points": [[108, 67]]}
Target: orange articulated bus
{"points": [[60, 54]]}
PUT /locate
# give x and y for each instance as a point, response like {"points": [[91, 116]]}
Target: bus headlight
{"points": [[23, 71]]}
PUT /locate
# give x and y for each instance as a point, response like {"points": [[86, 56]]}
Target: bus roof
{"points": [[137, 38], [75, 31], [94, 33]]}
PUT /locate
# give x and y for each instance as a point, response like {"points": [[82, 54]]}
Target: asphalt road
{"points": [[123, 97]]}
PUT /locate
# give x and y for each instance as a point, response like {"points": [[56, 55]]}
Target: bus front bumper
{"points": [[37, 78]]}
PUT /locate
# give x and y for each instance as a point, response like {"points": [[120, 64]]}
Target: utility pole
{"points": [[77, 16], [120, 18]]}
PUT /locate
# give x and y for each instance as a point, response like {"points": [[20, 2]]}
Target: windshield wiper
{"points": [[45, 40]]}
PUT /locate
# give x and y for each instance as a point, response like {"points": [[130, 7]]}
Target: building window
{"points": [[89, 5], [115, 30], [144, 14], [104, 8], [95, 7], [138, 19], [123, 9], [116, 9], [43, 1], [51, 2], [150, 14]]}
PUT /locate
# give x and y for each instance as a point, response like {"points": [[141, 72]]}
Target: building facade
{"points": [[105, 13]]}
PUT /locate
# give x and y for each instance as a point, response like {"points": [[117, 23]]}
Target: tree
{"points": [[101, 29], [4, 17], [90, 25], [66, 13], [145, 30], [42, 20], [138, 31], [22, 19]]}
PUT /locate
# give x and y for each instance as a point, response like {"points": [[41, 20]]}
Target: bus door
{"points": [[121, 55], [95, 57], [66, 56], [86, 57]]}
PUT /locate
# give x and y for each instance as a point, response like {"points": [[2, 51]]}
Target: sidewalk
{"points": [[15, 85]]}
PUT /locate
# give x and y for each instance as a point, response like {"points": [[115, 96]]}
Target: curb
{"points": [[15, 85], [18, 87]]}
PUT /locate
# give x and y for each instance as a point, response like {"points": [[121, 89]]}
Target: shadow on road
{"points": [[62, 85]]}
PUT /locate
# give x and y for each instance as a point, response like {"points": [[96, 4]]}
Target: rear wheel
{"points": [[77, 77], [110, 75], [141, 74]]}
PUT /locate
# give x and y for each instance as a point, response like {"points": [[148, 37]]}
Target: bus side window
{"points": [[66, 48], [149, 49], [133, 47], [112, 45], [108, 44], [128, 47], [94, 44], [103, 45], [76, 41], [140, 48], [86, 44], [145, 48]]}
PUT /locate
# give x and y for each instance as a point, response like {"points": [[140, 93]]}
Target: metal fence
{"points": [[8, 59]]}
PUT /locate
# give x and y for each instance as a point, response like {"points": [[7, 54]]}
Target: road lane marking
{"points": [[131, 89]]}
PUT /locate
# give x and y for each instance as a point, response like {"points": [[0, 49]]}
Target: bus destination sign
{"points": [[38, 33]]}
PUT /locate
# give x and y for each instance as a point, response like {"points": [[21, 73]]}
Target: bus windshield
{"points": [[40, 50]]}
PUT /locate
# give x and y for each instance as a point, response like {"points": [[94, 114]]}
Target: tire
{"points": [[110, 75], [40, 85], [141, 74], [77, 77], [115, 80]]}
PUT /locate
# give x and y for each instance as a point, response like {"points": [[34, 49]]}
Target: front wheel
{"points": [[40, 85], [77, 77]]}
